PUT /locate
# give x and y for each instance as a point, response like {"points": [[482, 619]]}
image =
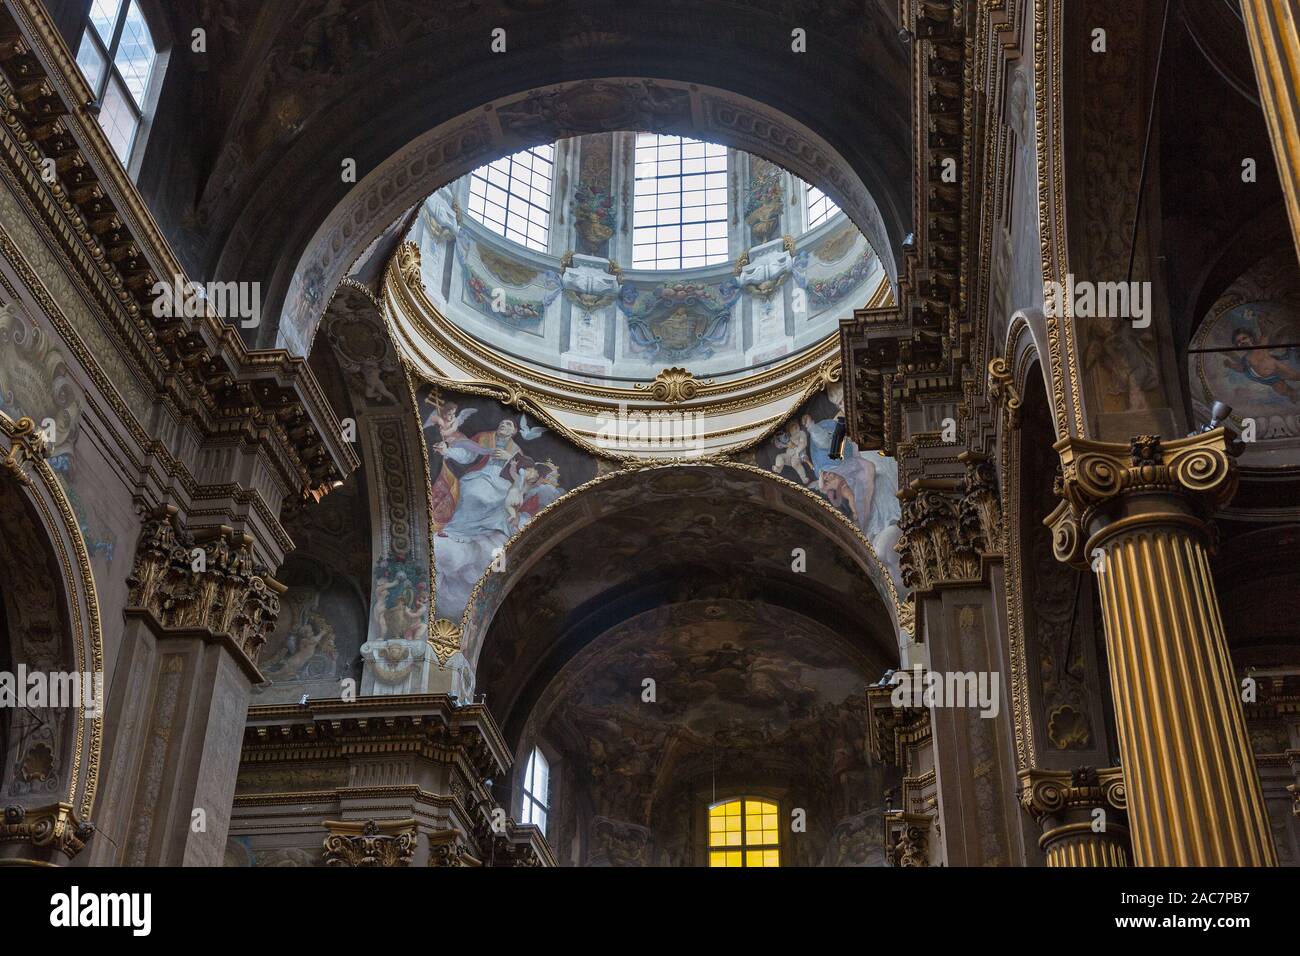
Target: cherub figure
{"points": [[793, 443], [1272, 368], [446, 418]]}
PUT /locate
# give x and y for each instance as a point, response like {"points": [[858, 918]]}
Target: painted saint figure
{"points": [[498, 491]]}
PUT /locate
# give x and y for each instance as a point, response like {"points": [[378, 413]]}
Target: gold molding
{"points": [[673, 386], [31, 470], [412, 303], [1275, 51]]}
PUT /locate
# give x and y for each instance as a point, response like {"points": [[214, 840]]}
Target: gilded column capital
{"points": [[449, 848], [1108, 487], [369, 843], [907, 838], [931, 545], [948, 524], [1082, 812], [207, 579], [47, 834]]}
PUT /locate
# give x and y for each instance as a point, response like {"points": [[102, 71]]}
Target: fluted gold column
{"points": [[1082, 814], [1273, 29], [1138, 516]]}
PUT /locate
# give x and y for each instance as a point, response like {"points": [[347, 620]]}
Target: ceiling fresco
{"points": [[660, 537], [746, 698]]}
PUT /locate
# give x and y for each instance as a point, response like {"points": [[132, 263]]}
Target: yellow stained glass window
{"points": [[750, 827]]}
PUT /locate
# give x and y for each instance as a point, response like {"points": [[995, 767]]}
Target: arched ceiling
{"points": [[403, 86], [659, 538], [747, 697]]}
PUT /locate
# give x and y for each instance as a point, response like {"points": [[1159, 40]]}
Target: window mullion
{"points": [[118, 27]]}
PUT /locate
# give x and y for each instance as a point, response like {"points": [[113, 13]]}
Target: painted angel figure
{"points": [[534, 485], [371, 372], [446, 418], [1274, 368], [308, 635], [793, 442]]}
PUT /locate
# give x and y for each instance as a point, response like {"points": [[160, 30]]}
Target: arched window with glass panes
{"points": [[743, 832], [512, 196], [679, 210], [120, 61], [820, 206], [536, 790]]}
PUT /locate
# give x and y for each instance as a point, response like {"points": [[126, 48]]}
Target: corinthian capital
{"points": [[208, 580], [1107, 485], [370, 843]]}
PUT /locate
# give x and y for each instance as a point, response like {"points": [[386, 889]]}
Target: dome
{"points": [[623, 268]]}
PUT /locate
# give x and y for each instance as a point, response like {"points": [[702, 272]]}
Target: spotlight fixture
{"points": [[1219, 413], [838, 438]]}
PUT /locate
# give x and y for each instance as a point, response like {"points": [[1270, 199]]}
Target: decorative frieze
{"points": [[340, 752]]}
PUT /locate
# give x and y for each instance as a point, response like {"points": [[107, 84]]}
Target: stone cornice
{"points": [[895, 356], [89, 206], [433, 725]]}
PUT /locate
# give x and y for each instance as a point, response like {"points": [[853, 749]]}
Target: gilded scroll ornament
{"points": [[28, 445], [1002, 390], [387, 843], [408, 263], [673, 385]]}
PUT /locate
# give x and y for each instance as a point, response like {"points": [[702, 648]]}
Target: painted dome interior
{"points": [[609, 257]]}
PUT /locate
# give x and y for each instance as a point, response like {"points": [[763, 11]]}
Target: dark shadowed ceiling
{"points": [[243, 163]]}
